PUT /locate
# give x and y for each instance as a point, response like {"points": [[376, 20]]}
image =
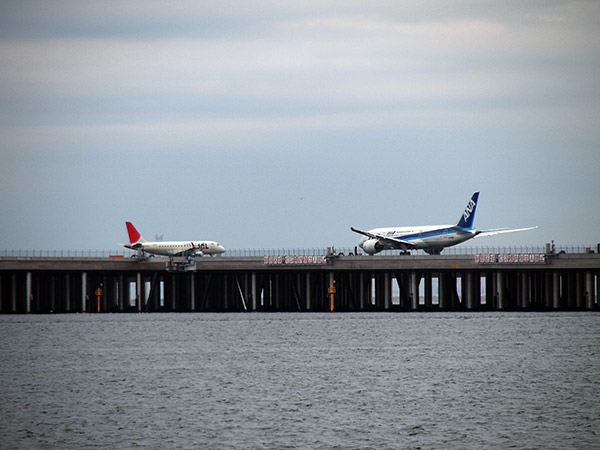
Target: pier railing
{"points": [[339, 251]]}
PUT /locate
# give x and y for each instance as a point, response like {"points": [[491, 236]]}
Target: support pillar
{"points": [[427, 279], [277, 296], [387, 292], [361, 291], [500, 291], [192, 292], [447, 283], [308, 306], [28, 293], [370, 289], [67, 293], [52, 293], [468, 295], [547, 290], [555, 290], [331, 297], [13, 306], [489, 291], [254, 294], [225, 298], [414, 291], [246, 288], [84, 292], [162, 301], [597, 277], [525, 297], [589, 290], [442, 297], [570, 292], [174, 305], [579, 291], [138, 292], [120, 293]]}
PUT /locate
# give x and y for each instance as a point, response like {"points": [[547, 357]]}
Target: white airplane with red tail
{"points": [[171, 248]]}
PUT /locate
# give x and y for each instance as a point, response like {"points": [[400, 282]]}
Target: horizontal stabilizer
{"points": [[460, 230]]}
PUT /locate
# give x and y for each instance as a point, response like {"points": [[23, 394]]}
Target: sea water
{"points": [[306, 380]]}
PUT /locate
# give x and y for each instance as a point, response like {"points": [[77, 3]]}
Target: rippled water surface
{"points": [[434, 380]]}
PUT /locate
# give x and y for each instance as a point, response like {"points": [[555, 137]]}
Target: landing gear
{"points": [[181, 264], [141, 255]]}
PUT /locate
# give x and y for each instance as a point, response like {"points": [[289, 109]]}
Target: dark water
{"points": [[489, 380]]}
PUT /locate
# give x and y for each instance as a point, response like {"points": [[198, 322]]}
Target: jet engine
{"points": [[372, 246]]}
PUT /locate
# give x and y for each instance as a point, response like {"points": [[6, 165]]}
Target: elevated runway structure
{"points": [[482, 282]]}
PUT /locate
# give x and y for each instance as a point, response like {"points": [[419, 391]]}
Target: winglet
{"points": [[468, 215], [134, 234]]}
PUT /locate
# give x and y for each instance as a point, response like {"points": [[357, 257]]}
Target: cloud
{"points": [[329, 58], [405, 99], [332, 42]]}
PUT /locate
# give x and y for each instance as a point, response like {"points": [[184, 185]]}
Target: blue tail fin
{"points": [[468, 215]]}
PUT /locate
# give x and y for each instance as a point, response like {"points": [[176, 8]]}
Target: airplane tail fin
{"points": [[468, 215], [134, 235]]}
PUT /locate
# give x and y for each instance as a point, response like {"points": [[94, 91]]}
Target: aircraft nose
{"points": [[220, 248]]}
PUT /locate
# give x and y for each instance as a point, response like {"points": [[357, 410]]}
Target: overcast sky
{"points": [[271, 124]]}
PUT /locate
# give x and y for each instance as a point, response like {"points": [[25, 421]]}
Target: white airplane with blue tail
{"points": [[430, 238]]}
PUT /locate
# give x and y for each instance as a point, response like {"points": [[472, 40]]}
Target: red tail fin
{"points": [[134, 235]]}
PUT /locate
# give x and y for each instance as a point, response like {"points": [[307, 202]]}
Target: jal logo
{"points": [[469, 210]]}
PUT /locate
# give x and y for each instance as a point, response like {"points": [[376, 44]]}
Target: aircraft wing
{"points": [[493, 232], [188, 251], [366, 233], [399, 243]]}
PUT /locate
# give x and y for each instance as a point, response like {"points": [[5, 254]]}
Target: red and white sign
{"points": [[511, 258], [295, 260]]}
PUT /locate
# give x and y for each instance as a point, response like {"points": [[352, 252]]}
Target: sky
{"points": [[270, 124]]}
